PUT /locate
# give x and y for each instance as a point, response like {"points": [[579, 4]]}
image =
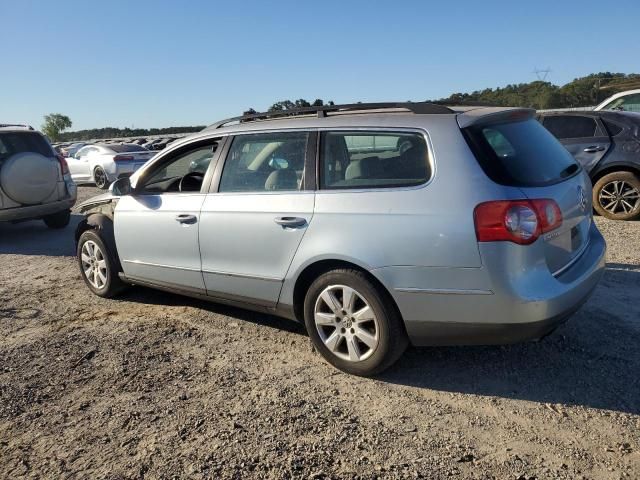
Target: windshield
{"points": [[19, 142], [520, 153]]}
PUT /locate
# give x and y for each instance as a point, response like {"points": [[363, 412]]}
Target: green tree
{"points": [[55, 124]]}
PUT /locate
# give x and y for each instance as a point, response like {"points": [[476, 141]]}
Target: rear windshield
{"points": [[520, 153], [19, 142], [127, 148]]}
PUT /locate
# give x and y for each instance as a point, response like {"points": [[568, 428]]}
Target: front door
{"points": [[252, 224], [156, 227]]}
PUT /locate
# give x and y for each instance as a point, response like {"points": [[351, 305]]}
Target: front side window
{"points": [[265, 162], [373, 160], [628, 103], [570, 126], [183, 172]]}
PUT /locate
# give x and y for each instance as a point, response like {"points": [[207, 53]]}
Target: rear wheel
{"points": [[97, 265], [617, 196], [58, 220], [353, 325], [101, 179]]}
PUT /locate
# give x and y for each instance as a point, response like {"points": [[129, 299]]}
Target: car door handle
{"points": [[186, 219], [593, 149], [291, 222]]}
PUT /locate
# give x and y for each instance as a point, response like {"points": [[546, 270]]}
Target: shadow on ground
{"points": [[593, 360], [35, 238]]}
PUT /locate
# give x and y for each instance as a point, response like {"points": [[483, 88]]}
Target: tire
{"points": [[97, 265], [29, 178], [334, 336], [58, 220], [617, 196], [100, 178]]}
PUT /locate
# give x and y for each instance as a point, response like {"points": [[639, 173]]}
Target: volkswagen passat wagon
{"points": [[376, 225]]}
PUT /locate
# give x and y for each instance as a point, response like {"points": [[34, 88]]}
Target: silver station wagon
{"points": [[376, 225]]}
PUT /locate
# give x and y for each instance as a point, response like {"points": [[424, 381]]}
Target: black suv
{"points": [[607, 145]]}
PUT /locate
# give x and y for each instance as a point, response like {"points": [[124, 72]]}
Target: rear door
{"points": [[582, 135], [253, 221], [523, 154]]}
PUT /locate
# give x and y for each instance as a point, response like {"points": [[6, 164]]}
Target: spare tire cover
{"points": [[29, 177]]}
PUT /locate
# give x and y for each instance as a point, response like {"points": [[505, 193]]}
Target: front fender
{"points": [[103, 225]]}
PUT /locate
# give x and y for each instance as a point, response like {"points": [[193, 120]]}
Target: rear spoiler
{"points": [[485, 116]]}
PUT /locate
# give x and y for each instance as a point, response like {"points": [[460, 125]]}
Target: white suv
{"points": [[34, 181]]}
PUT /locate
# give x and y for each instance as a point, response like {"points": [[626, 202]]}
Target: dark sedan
{"points": [[607, 145]]}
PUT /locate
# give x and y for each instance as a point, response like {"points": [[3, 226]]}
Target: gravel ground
{"points": [[152, 385]]}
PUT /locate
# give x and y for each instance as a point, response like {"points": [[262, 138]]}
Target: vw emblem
{"points": [[582, 199]]}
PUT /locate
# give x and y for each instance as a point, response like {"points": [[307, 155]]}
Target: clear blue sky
{"points": [[169, 63]]}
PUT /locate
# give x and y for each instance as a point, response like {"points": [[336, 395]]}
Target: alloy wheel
{"points": [[100, 178], [619, 197], [94, 264], [346, 323]]}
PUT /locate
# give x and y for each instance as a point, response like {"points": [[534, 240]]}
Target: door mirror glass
{"points": [[121, 187]]}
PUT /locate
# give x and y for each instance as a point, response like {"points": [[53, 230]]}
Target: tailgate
{"points": [[568, 241]]}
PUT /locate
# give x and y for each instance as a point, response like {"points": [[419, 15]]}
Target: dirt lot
{"points": [[158, 386]]}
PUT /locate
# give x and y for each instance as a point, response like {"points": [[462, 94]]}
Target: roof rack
{"points": [[5, 125], [321, 111]]}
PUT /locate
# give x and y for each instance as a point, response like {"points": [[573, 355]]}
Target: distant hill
{"points": [[581, 92], [110, 132]]}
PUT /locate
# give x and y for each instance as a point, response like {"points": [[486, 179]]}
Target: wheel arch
{"points": [[103, 225], [618, 167], [312, 271]]}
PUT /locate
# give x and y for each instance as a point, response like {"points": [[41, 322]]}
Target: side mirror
{"points": [[121, 187]]}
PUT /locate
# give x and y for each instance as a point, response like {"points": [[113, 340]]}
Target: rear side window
{"points": [[19, 142], [613, 128], [570, 126], [373, 160], [520, 153]]}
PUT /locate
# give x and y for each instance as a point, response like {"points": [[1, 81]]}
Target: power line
{"points": [[541, 73]]}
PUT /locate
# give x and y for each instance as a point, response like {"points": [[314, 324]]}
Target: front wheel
{"points": [[617, 196], [97, 266], [100, 178], [353, 324]]}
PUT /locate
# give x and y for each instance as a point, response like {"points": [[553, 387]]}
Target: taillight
{"points": [[64, 166], [122, 158], [518, 221]]}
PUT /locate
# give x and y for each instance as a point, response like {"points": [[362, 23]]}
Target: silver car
{"points": [[34, 181], [376, 225]]}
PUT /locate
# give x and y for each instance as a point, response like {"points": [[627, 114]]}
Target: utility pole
{"points": [[541, 74]]}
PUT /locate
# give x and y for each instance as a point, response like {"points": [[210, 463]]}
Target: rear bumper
{"points": [[122, 169], [498, 303], [35, 211]]}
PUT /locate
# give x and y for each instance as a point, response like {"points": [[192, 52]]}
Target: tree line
{"points": [[581, 92]]}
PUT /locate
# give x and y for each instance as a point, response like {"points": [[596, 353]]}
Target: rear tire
{"points": [[361, 333], [617, 196], [100, 178], [58, 220], [98, 267]]}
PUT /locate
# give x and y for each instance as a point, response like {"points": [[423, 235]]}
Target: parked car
{"points": [[162, 144], [34, 180], [607, 145], [72, 149], [150, 143], [628, 101], [103, 163], [375, 225]]}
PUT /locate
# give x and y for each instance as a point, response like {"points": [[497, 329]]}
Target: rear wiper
{"points": [[570, 170]]}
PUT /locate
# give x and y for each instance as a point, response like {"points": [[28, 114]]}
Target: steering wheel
{"points": [[191, 182]]}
